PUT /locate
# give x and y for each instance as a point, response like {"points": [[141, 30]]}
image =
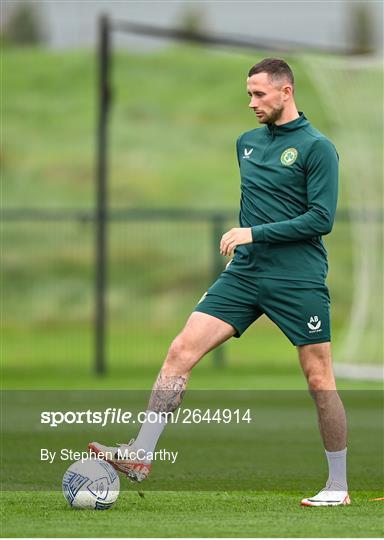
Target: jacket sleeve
{"points": [[322, 186], [237, 149]]}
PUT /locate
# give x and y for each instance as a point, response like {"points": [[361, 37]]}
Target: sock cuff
{"points": [[338, 454], [153, 417]]}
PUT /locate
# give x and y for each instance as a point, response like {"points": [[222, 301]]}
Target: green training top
{"points": [[289, 181]]}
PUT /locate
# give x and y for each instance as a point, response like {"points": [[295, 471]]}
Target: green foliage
{"points": [[191, 19], [361, 35], [24, 27]]}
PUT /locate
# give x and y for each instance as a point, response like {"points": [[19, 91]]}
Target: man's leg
{"points": [[316, 362], [201, 334]]}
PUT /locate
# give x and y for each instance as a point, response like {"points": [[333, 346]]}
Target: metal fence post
{"points": [[101, 196], [217, 267]]}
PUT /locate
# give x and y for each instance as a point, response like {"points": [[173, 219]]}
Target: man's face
{"points": [[268, 97]]}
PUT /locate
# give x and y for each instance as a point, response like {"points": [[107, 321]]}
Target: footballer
{"points": [[289, 184]]}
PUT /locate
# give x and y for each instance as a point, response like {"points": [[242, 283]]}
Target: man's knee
{"points": [[181, 355], [316, 382], [316, 362]]}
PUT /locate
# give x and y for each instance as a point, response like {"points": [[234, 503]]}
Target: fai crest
{"points": [[288, 157]]}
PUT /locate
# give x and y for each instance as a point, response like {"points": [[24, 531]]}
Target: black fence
{"points": [[106, 28], [102, 214], [215, 222]]}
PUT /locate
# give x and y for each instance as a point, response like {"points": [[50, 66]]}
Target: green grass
{"points": [[176, 115], [159, 514], [174, 122], [207, 450], [205, 492], [284, 467], [60, 357], [175, 118]]}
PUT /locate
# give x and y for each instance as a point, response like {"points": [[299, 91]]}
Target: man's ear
{"points": [[287, 90]]}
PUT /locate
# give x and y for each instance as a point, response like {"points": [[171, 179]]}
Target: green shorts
{"points": [[300, 309]]}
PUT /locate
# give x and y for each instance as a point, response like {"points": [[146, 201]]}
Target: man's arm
{"points": [[322, 187]]}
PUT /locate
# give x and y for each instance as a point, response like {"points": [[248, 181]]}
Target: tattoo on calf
{"points": [[167, 393]]}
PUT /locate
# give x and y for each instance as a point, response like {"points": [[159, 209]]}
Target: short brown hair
{"points": [[276, 69]]}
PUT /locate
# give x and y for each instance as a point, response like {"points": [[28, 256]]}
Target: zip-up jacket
{"points": [[289, 183]]}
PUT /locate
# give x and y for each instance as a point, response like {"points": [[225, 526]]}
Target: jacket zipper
{"points": [[269, 144]]}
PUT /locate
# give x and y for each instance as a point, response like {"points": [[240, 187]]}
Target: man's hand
{"points": [[235, 237]]}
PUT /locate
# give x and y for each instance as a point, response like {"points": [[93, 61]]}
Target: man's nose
{"points": [[252, 103]]}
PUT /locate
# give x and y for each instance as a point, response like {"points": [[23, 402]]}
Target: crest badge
{"points": [[288, 157]]}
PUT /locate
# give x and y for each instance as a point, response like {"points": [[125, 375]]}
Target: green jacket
{"points": [[289, 183]]}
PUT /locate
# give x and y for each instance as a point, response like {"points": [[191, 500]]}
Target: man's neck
{"points": [[289, 114]]}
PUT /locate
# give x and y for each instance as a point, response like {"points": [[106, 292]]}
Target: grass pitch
{"points": [[186, 514], [231, 481], [49, 117]]}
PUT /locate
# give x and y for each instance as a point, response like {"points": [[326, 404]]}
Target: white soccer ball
{"points": [[92, 484]]}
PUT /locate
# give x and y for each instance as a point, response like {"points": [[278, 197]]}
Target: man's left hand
{"points": [[235, 237]]}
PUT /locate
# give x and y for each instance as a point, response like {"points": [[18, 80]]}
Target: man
{"points": [[289, 178]]}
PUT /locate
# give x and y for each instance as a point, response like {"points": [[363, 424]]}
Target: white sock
{"points": [[150, 431], [337, 465]]}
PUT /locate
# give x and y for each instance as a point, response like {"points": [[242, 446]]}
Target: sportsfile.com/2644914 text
{"points": [[113, 415]]}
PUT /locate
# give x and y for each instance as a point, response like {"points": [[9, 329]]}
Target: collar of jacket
{"points": [[297, 123]]}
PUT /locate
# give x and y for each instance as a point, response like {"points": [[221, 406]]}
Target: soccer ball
{"points": [[92, 484]]}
